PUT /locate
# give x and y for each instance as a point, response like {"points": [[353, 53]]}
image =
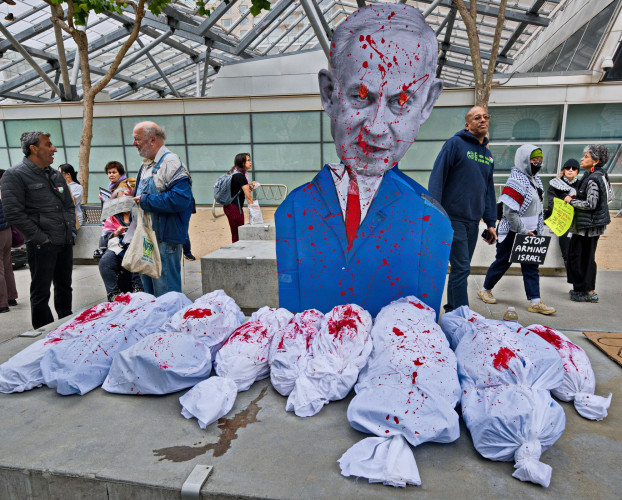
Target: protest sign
{"points": [[529, 249], [117, 206], [561, 217]]}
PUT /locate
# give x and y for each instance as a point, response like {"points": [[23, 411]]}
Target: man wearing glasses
{"points": [[462, 182]]}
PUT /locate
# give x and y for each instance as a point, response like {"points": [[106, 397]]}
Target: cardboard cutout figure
{"points": [[361, 231]]}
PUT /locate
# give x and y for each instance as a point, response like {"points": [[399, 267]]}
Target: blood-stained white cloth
{"points": [[406, 393], [81, 364], [209, 400], [579, 381], [179, 354], [506, 373], [244, 356], [338, 352], [290, 349], [22, 372]]}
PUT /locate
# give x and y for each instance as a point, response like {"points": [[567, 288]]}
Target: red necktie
{"points": [[353, 208]]}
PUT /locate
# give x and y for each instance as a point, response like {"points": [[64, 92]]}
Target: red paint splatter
{"points": [[310, 228], [397, 420], [414, 377], [365, 64], [388, 416], [289, 215], [426, 218], [387, 431], [398, 332], [403, 98], [197, 313], [417, 362], [502, 358]]}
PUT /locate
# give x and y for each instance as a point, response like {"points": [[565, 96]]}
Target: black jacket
{"points": [[559, 188], [598, 217], [38, 203]]}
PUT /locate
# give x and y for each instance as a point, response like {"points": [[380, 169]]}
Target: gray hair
{"points": [[31, 139], [388, 18], [598, 152], [157, 131]]}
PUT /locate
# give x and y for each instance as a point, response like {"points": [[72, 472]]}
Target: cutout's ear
{"points": [[434, 90], [328, 91]]}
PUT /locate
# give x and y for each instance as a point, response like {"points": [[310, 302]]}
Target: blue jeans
{"points": [[531, 277], [462, 248], [170, 281], [110, 268]]}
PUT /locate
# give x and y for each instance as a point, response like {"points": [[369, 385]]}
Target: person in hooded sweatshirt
{"points": [[565, 184], [522, 198], [462, 182]]}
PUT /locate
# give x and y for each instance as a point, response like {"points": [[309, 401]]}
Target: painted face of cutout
{"points": [[380, 90]]}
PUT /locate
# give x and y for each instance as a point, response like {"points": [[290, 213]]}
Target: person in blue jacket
{"points": [[462, 182], [361, 231], [163, 189]]}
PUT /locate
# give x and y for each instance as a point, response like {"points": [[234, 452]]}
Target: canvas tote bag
{"points": [[143, 255]]}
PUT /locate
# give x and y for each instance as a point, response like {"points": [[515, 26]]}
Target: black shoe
{"points": [[190, 257], [137, 288], [590, 297], [113, 294], [4, 309], [579, 296], [13, 302]]}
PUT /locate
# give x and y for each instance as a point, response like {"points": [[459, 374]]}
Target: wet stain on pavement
{"points": [[228, 432]]}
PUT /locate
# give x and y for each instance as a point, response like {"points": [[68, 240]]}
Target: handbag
{"points": [[254, 211], [143, 254], [17, 238]]}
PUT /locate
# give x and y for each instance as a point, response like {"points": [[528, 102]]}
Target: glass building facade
{"points": [[290, 147]]}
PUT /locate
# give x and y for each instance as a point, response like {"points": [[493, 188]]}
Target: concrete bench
{"points": [[246, 271]]}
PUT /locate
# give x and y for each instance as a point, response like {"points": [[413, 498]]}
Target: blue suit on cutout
{"points": [[401, 247]]}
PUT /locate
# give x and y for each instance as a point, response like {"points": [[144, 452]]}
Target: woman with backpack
{"points": [[591, 217], [240, 190]]}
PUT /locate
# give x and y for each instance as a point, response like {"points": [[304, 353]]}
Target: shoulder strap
{"points": [[156, 167]]}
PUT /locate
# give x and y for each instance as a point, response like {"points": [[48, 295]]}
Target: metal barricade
{"points": [[265, 192], [91, 215]]}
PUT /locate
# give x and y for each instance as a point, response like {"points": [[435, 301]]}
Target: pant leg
{"points": [[147, 283], [109, 267], [62, 280], [531, 280], [186, 247], [235, 216], [590, 273], [462, 248], [501, 263], [579, 262], [5, 256], [170, 280], [41, 261], [564, 242]]}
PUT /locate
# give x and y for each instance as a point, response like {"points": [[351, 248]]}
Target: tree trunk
{"points": [[85, 142], [483, 84]]}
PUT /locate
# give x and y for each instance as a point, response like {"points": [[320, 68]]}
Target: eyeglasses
{"points": [[479, 117], [571, 168]]}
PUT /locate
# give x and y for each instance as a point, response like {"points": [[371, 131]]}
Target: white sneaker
{"points": [[541, 308], [487, 296]]}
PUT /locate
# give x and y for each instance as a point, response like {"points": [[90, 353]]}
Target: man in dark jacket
{"points": [[163, 189], [463, 183], [37, 200]]}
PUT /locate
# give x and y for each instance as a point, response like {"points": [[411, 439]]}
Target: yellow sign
{"points": [[561, 217]]}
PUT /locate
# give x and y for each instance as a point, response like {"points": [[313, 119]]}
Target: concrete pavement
{"points": [[108, 446]]}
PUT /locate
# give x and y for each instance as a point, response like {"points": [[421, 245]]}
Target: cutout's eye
{"points": [[363, 91], [403, 98]]}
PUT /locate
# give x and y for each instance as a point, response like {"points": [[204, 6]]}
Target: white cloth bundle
{"points": [[406, 394], [180, 353], [81, 364], [506, 378], [290, 349], [579, 381], [22, 372], [242, 359], [338, 352]]}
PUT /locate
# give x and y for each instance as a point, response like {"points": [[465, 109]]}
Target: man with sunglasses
{"points": [[463, 183]]}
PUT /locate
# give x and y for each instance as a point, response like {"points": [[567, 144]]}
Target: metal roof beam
{"points": [[534, 9], [214, 17], [511, 13], [23, 97], [265, 21]]}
